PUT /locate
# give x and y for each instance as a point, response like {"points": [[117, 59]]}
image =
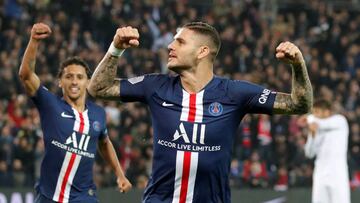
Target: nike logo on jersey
{"points": [[167, 104], [64, 115]]}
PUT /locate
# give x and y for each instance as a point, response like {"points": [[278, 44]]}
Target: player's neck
{"points": [[77, 104], [195, 80]]}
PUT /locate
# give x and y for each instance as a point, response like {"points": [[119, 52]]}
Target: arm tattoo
{"points": [[301, 98], [103, 83]]}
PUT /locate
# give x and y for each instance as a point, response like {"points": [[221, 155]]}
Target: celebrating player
{"points": [[72, 126], [328, 141], [195, 114]]}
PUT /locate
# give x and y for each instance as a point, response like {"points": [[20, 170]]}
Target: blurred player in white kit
{"points": [[328, 142]]}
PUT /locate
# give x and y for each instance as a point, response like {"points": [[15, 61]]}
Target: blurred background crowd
{"points": [[268, 150]]}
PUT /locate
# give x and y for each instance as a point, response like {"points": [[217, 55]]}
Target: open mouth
{"points": [[171, 55], [74, 90]]}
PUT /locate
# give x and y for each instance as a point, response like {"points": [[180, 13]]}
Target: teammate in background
{"points": [[195, 114], [72, 126], [328, 141]]}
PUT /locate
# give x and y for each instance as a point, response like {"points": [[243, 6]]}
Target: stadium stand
{"points": [[268, 151]]}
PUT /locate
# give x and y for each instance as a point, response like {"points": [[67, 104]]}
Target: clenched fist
{"points": [[124, 184], [40, 31], [126, 37], [289, 53]]}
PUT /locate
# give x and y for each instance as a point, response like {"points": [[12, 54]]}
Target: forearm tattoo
{"points": [[301, 98], [103, 83]]}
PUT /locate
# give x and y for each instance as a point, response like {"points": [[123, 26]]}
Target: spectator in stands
{"points": [[331, 48], [255, 172]]}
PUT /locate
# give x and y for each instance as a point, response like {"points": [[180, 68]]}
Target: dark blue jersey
{"points": [[193, 134], [70, 139]]}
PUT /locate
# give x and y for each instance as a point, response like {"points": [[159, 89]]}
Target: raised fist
{"points": [[40, 31], [289, 53], [126, 37]]}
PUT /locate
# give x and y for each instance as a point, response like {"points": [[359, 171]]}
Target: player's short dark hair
{"points": [[207, 30], [77, 61], [322, 104]]}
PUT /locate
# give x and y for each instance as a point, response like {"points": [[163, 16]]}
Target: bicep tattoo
{"points": [[103, 83]]}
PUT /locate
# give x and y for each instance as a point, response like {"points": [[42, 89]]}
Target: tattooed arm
{"points": [[301, 98], [29, 79], [103, 83]]}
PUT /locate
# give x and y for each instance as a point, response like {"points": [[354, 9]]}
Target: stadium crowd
{"points": [[268, 150]]}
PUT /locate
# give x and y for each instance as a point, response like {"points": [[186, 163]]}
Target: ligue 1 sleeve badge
{"points": [[215, 109], [97, 126]]}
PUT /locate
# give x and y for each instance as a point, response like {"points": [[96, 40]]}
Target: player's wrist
{"points": [[299, 60], [34, 41], [115, 51], [119, 174]]}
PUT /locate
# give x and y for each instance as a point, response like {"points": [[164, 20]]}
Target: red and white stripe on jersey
{"points": [[66, 176], [192, 107], [71, 161], [185, 175], [82, 117], [81, 124], [186, 161]]}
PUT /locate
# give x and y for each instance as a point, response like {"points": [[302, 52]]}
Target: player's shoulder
{"points": [[152, 78], [339, 117], [163, 80], [93, 107], [224, 82], [43, 93], [44, 90], [240, 84], [160, 77], [243, 86], [229, 87]]}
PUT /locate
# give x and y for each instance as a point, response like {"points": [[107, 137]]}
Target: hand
{"points": [[123, 184], [289, 53], [126, 37], [40, 31], [302, 121], [313, 127]]}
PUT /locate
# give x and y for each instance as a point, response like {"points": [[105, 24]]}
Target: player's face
{"points": [[321, 113], [74, 82], [183, 50]]}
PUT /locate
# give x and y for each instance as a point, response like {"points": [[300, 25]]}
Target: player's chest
{"points": [[198, 119], [201, 107], [71, 123], [72, 131]]}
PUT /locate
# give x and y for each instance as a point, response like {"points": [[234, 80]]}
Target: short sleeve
{"points": [[43, 98], [104, 130], [103, 133], [139, 88], [254, 98]]}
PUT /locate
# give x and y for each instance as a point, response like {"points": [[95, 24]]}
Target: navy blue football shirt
{"points": [[193, 134], [70, 139]]}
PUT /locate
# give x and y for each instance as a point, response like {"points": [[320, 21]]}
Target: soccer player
{"points": [[72, 126], [195, 114], [328, 141]]}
